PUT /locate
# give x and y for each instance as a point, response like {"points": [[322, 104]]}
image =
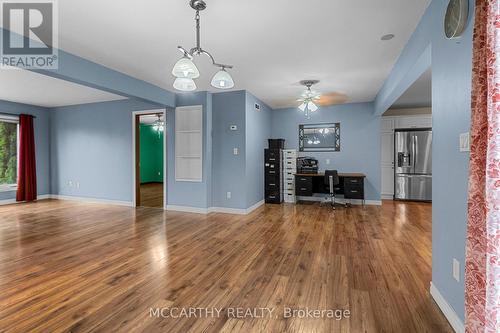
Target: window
{"points": [[8, 152], [188, 143]]}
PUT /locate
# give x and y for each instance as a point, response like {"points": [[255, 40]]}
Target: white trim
{"points": [[92, 200], [9, 118], [188, 209], [136, 113], [342, 200], [224, 210], [447, 310], [13, 201], [387, 197], [236, 211], [254, 207]]}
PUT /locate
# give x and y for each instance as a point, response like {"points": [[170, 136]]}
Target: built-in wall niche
{"points": [[189, 143], [319, 137]]}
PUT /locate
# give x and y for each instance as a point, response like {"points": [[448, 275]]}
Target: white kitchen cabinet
{"points": [[387, 127]]}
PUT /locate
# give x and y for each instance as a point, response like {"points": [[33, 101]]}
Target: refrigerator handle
{"points": [[415, 151]]}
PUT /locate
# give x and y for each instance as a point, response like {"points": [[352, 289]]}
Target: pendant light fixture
{"points": [[309, 98], [185, 69], [159, 125]]}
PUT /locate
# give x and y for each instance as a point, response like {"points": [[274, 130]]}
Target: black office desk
{"points": [[351, 185]]}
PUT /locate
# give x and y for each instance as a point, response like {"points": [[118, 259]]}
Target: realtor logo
{"points": [[29, 34]]}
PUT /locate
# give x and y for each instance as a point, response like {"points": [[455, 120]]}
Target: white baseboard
{"points": [[342, 200], [188, 209], [447, 310], [387, 197], [237, 211], [13, 201], [92, 200], [224, 210]]}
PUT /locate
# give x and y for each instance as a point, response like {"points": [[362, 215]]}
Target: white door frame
{"points": [[134, 180]]}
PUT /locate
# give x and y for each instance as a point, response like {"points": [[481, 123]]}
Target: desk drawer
{"points": [[353, 181], [272, 155], [303, 186], [270, 172], [273, 197], [354, 191]]}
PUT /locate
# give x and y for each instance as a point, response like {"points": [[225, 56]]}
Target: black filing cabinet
{"points": [[303, 186], [273, 171], [354, 188]]}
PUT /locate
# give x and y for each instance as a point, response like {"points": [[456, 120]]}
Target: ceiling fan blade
{"points": [[332, 98]]}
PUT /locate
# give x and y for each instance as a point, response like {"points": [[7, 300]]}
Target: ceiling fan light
{"points": [[185, 68], [302, 106], [222, 80], [312, 107], [184, 84]]}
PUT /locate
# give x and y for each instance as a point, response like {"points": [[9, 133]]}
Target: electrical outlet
{"points": [[228, 195], [465, 142], [456, 270], [70, 183], [77, 184], [327, 161]]}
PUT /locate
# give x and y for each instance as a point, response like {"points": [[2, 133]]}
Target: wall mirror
{"points": [[319, 137]]}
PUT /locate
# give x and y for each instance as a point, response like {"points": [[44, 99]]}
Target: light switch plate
{"points": [[465, 142], [456, 270], [327, 161], [235, 151]]}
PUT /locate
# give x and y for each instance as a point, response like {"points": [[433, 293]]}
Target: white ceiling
{"points": [[21, 86], [418, 95], [272, 44]]}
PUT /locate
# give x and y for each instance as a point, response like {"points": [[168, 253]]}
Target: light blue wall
{"points": [[41, 128], [359, 139], [451, 91], [191, 194], [229, 169], [258, 129], [92, 144]]}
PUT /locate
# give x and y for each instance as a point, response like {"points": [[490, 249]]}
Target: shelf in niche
{"points": [[189, 131]]}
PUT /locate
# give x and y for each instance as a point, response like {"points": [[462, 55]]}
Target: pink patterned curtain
{"points": [[482, 269]]}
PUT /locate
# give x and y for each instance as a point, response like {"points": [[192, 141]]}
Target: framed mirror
{"points": [[319, 137]]}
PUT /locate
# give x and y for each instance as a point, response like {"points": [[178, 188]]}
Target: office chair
{"points": [[332, 184]]}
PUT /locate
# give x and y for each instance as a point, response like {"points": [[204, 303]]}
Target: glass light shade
{"points": [[302, 107], [185, 68], [184, 84], [222, 80], [312, 107]]}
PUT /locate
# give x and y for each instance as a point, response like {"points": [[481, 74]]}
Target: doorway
{"points": [[149, 158]]}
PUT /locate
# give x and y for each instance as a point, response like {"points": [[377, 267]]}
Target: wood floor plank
{"points": [[79, 267]]}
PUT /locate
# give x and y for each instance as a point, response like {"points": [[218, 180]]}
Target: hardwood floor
{"points": [[67, 266], [152, 195]]}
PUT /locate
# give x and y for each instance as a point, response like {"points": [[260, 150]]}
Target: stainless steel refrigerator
{"points": [[413, 172]]}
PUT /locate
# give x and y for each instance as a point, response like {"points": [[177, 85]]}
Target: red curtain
{"points": [[26, 178], [482, 268]]}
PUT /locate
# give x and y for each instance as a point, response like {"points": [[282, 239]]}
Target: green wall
{"points": [[151, 155]]}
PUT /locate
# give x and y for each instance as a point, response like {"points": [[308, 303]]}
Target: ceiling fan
{"points": [[310, 99]]}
